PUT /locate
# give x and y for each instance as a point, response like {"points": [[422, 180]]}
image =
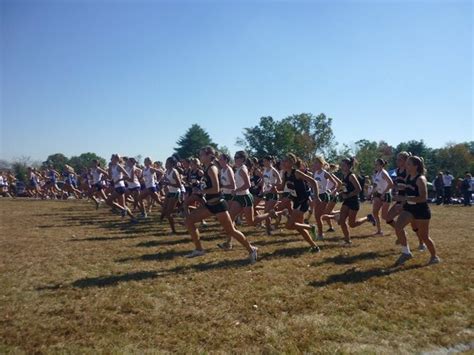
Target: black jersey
{"points": [[348, 187], [206, 183], [400, 182], [298, 188], [255, 181], [411, 186]]}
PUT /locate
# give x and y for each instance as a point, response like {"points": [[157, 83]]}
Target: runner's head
{"points": [[319, 163], [415, 165], [380, 164], [402, 159], [347, 164]]}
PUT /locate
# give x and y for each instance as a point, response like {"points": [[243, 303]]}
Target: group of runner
{"points": [[251, 191]]}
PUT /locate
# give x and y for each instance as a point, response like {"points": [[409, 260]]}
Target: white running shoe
{"points": [[195, 253], [253, 255]]}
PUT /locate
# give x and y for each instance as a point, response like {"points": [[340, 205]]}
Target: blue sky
{"points": [[132, 76]]}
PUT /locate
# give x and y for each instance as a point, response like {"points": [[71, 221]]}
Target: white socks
{"points": [[406, 250]]}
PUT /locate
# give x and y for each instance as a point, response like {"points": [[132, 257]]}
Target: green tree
{"points": [[457, 158], [83, 161], [366, 152], [418, 148], [194, 139], [57, 160], [305, 135], [20, 166]]}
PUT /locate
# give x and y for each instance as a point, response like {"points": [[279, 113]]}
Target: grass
{"points": [[77, 280]]}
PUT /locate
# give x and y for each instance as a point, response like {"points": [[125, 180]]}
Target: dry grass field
{"points": [[77, 280]]}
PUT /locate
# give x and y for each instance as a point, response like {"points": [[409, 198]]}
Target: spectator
{"points": [[448, 182], [438, 185], [466, 189]]}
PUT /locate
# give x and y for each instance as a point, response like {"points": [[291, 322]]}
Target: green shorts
{"points": [[228, 197], [270, 197], [175, 195], [333, 198], [244, 200]]}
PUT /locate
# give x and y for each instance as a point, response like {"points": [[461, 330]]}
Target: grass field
{"points": [[74, 279]]}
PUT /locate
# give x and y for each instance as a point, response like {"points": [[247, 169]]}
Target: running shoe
{"points": [[195, 253], [403, 258], [253, 255]]}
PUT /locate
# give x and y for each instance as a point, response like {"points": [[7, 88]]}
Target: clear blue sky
{"points": [[132, 76]]}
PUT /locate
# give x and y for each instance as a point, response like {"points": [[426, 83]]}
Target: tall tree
{"points": [[457, 158], [57, 160], [194, 139], [305, 135], [418, 148], [368, 151], [83, 161], [20, 166]]}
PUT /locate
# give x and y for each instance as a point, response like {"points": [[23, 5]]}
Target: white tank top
{"points": [[225, 180], [239, 182], [321, 180], [170, 177], [379, 182], [131, 173], [149, 177], [330, 185], [269, 179], [96, 176], [116, 176]]}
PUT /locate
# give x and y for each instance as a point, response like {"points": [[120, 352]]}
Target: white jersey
{"points": [[270, 179], [239, 181], [149, 177], [321, 180], [225, 180], [330, 185], [117, 176], [2, 181], [380, 184], [131, 173], [170, 177], [96, 176]]}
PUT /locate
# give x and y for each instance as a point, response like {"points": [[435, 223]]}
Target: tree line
{"points": [[304, 134]]}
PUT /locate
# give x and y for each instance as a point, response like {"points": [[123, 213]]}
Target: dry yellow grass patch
{"points": [[74, 279]]}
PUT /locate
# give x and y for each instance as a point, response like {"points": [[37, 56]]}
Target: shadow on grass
{"points": [[353, 276], [166, 255], [104, 281], [158, 243], [350, 259], [112, 280], [101, 239], [350, 276]]}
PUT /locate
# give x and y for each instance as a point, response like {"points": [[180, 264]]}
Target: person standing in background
{"points": [[438, 184], [448, 182], [466, 189]]}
